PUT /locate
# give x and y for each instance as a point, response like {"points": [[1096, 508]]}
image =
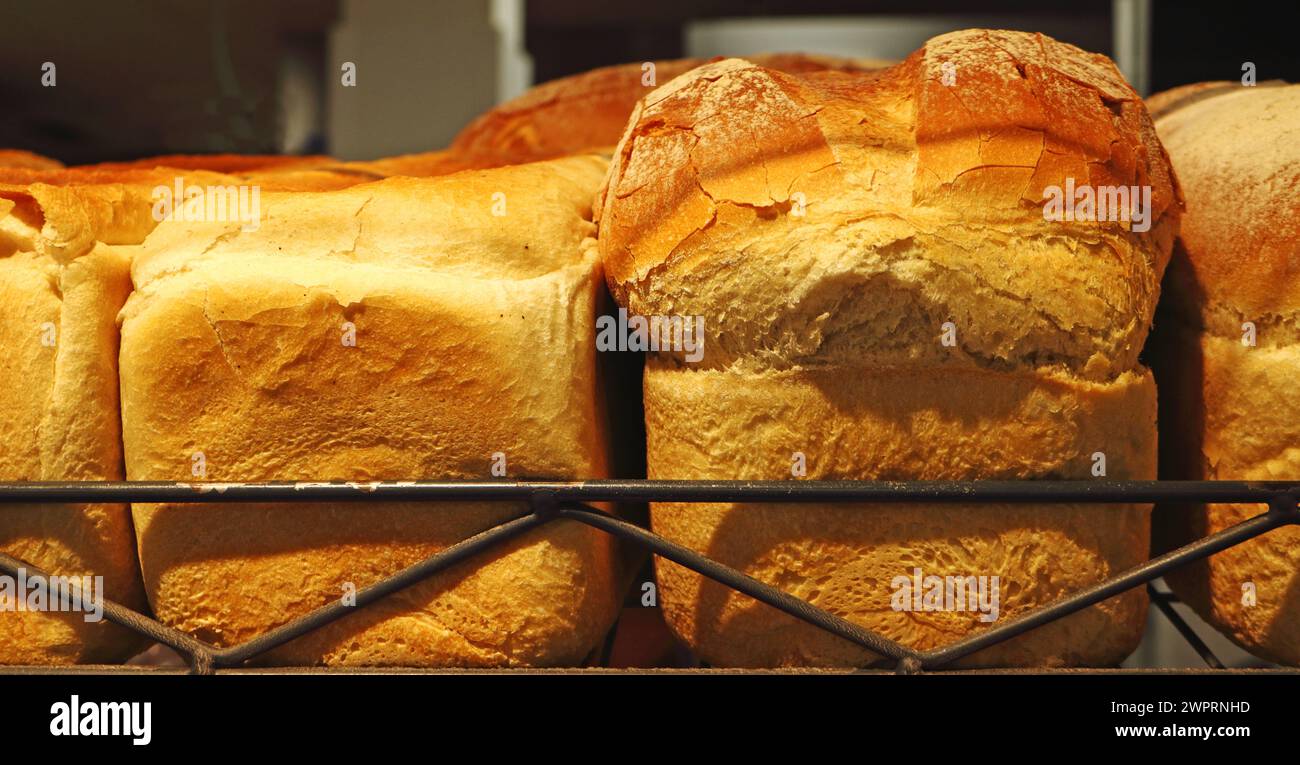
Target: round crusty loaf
{"points": [[855, 213], [1229, 409], [588, 111], [826, 226]]}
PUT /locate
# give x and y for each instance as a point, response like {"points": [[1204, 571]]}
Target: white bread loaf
{"points": [[474, 334], [826, 226], [61, 289], [1230, 410]]}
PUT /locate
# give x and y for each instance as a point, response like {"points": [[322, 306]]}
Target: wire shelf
{"points": [[548, 501]]}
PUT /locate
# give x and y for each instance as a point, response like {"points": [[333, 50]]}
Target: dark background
{"points": [[142, 77]]}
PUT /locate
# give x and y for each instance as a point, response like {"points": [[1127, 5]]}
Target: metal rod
{"points": [[407, 577], [1164, 602], [1139, 574], [552, 499], [635, 490], [743, 583], [196, 651]]}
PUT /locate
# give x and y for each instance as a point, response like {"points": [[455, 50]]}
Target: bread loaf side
{"points": [[1227, 349]]}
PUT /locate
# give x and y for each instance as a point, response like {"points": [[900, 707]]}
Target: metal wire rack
{"points": [[544, 502]]}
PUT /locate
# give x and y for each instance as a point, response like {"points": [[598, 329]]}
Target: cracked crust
{"points": [[1231, 411], [871, 208], [62, 213], [826, 226], [474, 335], [589, 111]]}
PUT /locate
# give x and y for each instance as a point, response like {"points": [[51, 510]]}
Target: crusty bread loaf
{"points": [[218, 163], [55, 269], [1175, 98], [896, 424], [588, 111], [61, 289], [1230, 409], [471, 301], [828, 227], [339, 175], [27, 159]]}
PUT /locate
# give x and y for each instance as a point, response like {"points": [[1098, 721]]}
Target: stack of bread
{"points": [[1227, 347], [883, 298], [881, 294]]}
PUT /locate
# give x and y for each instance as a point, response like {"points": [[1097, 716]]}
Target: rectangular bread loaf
{"points": [[398, 329], [61, 289]]}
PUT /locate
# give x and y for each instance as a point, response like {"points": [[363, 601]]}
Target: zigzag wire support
{"points": [[548, 501]]}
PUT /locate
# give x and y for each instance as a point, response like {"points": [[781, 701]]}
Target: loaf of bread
{"points": [[404, 328], [883, 297], [66, 286], [339, 175], [27, 159], [61, 288], [1226, 349], [218, 163], [588, 111]]}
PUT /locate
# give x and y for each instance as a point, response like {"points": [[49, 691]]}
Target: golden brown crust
{"points": [[896, 424], [63, 287], [830, 228], [217, 163], [58, 388], [422, 164], [895, 194], [1166, 101], [1227, 348], [1229, 412], [473, 335], [1237, 154], [588, 112], [339, 175], [27, 159]]}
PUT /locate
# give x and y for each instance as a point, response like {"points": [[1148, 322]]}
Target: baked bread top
{"points": [[27, 159], [588, 111], [62, 213], [843, 218], [218, 163], [1237, 154], [454, 224]]}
